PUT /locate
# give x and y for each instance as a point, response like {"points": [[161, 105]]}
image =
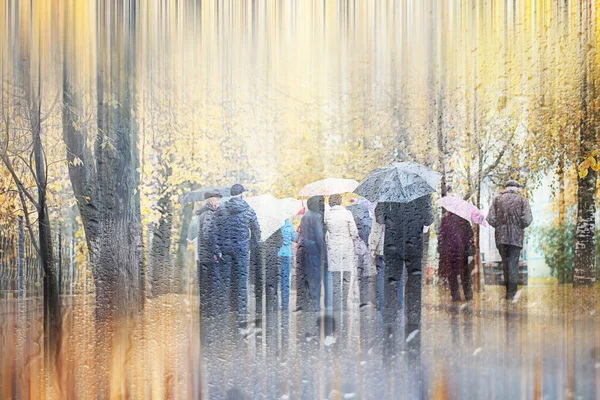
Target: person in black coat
{"points": [[208, 271], [235, 235], [362, 218], [403, 250], [310, 256]]}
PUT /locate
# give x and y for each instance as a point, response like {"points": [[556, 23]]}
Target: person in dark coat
{"points": [[362, 218], [310, 256], [403, 250], [208, 271], [454, 240], [235, 236], [367, 275], [510, 214], [270, 249]]}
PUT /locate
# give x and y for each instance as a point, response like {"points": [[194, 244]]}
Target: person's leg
{"points": [[272, 277], [454, 270], [413, 253], [286, 267], [301, 281], [466, 280], [337, 288], [327, 287], [258, 263], [202, 288], [513, 253], [240, 266], [227, 290], [392, 284], [453, 284], [380, 278], [363, 289], [502, 249], [346, 288]]}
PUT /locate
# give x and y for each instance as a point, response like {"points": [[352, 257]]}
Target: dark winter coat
{"points": [[363, 220], [310, 256], [206, 217], [510, 214], [454, 238], [235, 228], [404, 224], [312, 232]]}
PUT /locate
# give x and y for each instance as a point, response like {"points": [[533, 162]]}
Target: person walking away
{"points": [[510, 214], [403, 249], [286, 255], [341, 232], [454, 243], [376, 239], [271, 266], [366, 271], [362, 217], [208, 272], [310, 256], [235, 237]]}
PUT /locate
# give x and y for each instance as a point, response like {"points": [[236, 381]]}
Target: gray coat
{"points": [[510, 214]]}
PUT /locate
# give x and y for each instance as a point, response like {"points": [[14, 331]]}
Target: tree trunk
{"points": [[585, 251], [52, 312], [105, 181]]}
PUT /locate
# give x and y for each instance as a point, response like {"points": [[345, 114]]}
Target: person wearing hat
{"points": [[234, 233], [207, 270], [510, 214]]}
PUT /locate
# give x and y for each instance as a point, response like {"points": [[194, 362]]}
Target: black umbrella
{"points": [[198, 195], [399, 183]]}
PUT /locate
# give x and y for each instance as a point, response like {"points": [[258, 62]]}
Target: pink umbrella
{"points": [[463, 209]]}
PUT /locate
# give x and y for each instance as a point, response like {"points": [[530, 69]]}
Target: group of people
{"points": [[381, 246]]}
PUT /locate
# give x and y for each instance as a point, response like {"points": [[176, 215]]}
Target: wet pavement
{"points": [[544, 346]]}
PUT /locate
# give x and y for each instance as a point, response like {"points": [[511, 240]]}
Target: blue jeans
{"points": [[286, 267]]}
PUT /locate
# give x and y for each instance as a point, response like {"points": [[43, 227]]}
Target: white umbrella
{"points": [[272, 212], [329, 186]]}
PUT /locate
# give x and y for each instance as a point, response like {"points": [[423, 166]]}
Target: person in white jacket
{"points": [[341, 234]]}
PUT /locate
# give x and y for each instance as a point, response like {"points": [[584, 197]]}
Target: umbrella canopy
{"points": [[198, 195], [272, 212], [462, 208], [329, 186], [399, 183]]}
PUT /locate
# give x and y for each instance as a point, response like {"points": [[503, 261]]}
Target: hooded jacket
{"points": [[289, 236], [235, 228]]}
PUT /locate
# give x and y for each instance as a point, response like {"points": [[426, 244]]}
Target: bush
{"points": [[557, 244]]}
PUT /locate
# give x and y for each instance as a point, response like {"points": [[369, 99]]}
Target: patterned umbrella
{"points": [[399, 183]]}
